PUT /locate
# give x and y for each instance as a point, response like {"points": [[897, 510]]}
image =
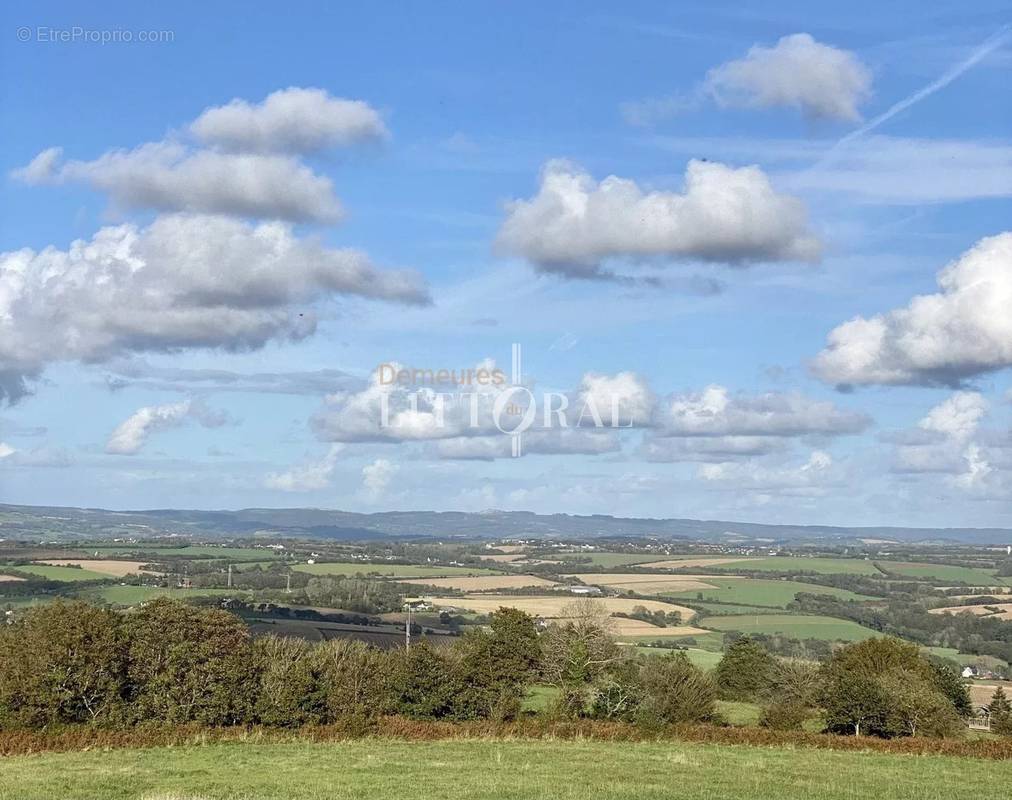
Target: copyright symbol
{"points": [[24, 34]]}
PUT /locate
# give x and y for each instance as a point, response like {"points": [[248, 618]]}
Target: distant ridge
{"points": [[66, 523]]}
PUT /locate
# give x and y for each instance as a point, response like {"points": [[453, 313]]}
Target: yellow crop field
{"points": [[482, 583], [116, 569], [1004, 613], [555, 606]]}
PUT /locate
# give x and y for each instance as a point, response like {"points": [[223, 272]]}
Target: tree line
{"points": [[168, 662]]}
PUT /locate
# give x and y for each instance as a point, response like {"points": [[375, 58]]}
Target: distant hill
{"points": [[58, 523]]}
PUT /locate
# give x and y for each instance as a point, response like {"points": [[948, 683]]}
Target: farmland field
{"points": [[614, 559], [66, 574], [11, 578], [483, 582], [108, 567], [1004, 610], [390, 570], [132, 595], [554, 606], [824, 566], [647, 583], [487, 769], [758, 591], [196, 551], [948, 572], [797, 627]]}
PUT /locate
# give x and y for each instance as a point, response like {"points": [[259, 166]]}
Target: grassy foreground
{"points": [[556, 770]]}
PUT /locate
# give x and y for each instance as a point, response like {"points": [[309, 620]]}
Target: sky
{"points": [[710, 261]]}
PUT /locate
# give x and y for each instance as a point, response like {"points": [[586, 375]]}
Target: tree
{"points": [[745, 672], [917, 708], [1001, 713], [856, 704], [576, 652], [618, 691], [675, 690], [63, 662], [187, 664], [291, 690], [424, 685], [495, 666], [359, 681], [793, 690]]}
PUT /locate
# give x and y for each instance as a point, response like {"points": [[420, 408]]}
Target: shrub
{"points": [[424, 684], [359, 680], [291, 689], [188, 664], [676, 691], [783, 716], [745, 672]]}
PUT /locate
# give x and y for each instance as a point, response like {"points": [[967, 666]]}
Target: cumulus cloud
{"points": [[717, 449], [249, 167], [376, 477], [185, 281], [940, 339], [556, 441], [6, 450], [813, 476], [132, 434], [726, 215], [293, 120], [798, 72], [716, 412], [306, 477], [167, 176], [623, 400]]}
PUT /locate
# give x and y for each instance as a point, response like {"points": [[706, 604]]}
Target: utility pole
{"points": [[407, 629], [288, 586], [229, 576]]}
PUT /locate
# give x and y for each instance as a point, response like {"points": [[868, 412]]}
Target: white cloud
{"points": [[716, 412], [306, 477], [183, 282], [167, 176], [726, 215], [376, 477], [958, 416], [292, 120], [623, 400], [813, 476], [6, 450], [715, 449], [945, 338], [132, 434], [798, 72]]}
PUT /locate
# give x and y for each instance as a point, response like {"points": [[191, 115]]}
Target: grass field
{"points": [[726, 610], [825, 566], [645, 583], [196, 551], [946, 572], [758, 591], [390, 570], [704, 659], [966, 659], [482, 583], [797, 627], [132, 595], [487, 770], [614, 559], [66, 574]]}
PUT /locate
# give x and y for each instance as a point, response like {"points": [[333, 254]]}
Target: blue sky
{"points": [[777, 173]]}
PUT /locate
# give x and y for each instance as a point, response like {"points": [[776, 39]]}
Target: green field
{"points": [[824, 566], [495, 770], [967, 659], [725, 610], [759, 591], [704, 659], [710, 640], [391, 570], [800, 626], [196, 551], [132, 595], [945, 572], [65, 574], [616, 559]]}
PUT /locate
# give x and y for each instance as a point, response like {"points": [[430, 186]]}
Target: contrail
{"points": [[988, 46]]}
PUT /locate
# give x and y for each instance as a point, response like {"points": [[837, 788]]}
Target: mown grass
{"points": [[480, 769], [801, 626], [65, 574], [391, 570], [759, 591], [825, 566]]}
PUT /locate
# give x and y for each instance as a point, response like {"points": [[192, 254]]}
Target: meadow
{"points": [[801, 626], [65, 574], [132, 595], [824, 566], [390, 570], [946, 572], [758, 591], [482, 583], [491, 769], [613, 559], [196, 551]]}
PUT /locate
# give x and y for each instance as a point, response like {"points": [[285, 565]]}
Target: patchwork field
{"points": [[646, 583], [502, 559], [483, 583], [759, 591], [132, 595], [801, 626], [825, 566], [1005, 610], [555, 607], [494, 770], [116, 569], [390, 570], [66, 574], [684, 562], [948, 572], [614, 559]]}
